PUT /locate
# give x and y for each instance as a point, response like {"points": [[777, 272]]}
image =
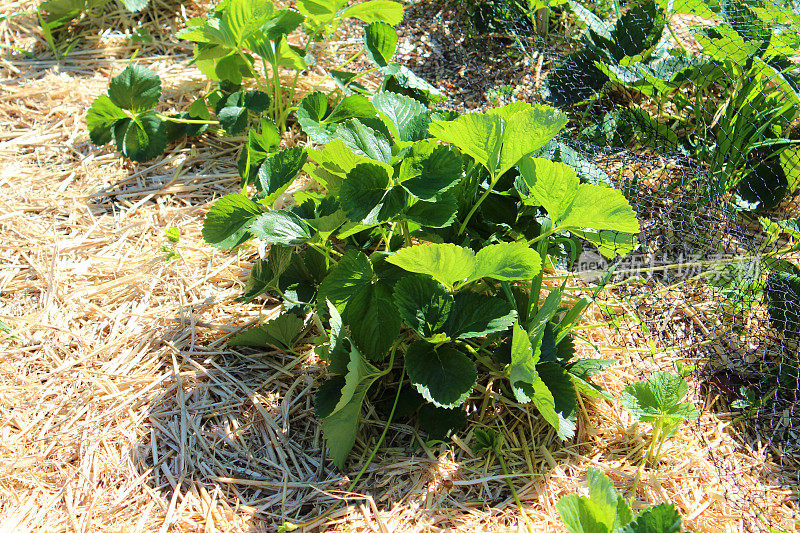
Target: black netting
{"points": [[693, 113]]}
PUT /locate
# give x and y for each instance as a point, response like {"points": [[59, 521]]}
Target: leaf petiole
{"points": [[167, 118]]}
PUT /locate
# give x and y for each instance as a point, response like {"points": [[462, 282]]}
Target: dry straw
{"points": [[122, 408]]}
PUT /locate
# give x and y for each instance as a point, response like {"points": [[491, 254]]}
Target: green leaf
{"points": [[423, 303], [281, 227], [429, 169], [320, 122], [265, 273], [662, 518], [101, 117], [597, 25], [256, 101], [639, 29], [527, 131], [344, 81], [556, 187], [257, 149], [334, 162], [352, 274], [499, 138], [610, 243], [311, 113], [401, 80], [226, 223], [135, 5], [687, 7], [601, 208], [364, 141], [61, 12], [580, 515], [552, 185], [438, 214], [353, 106], [363, 193], [281, 23], [319, 8], [447, 263], [142, 138], [444, 376], [522, 370], [657, 398], [475, 315], [380, 42], [233, 119], [339, 350], [406, 118], [376, 11], [604, 510], [241, 18], [136, 88], [614, 508], [478, 135], [510, 261], [329, 393], [340, 420], [281, 332], [373, 319], [783, 300], [441, 423], [562, 414], [276, 173]]}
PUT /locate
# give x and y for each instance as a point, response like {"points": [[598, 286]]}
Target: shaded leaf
{"points": [[276, 173], [444, 376], [280, 332], [423, 303]]}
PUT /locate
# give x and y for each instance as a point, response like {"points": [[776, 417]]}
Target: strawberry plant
{"points": [[657, 401], [229, 44], [405, 259], [606, 511]]}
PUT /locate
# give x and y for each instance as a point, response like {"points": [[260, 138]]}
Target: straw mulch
{"points": [[123, 410]]}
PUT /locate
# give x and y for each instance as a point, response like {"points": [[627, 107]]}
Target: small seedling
{"points": [[657, 401], [173, 235], [606, 511]]}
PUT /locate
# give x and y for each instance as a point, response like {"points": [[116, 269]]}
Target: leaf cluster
{"points": [[606, 511], [743, 70], [401, 258]]}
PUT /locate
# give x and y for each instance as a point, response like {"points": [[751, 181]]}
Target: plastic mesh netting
{"points": [[692, 109]]}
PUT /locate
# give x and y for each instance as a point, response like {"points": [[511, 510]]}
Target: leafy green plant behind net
{"points": [[693, 109]]}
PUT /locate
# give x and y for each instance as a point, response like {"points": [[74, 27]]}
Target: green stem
{"points": [[536, 282], [276, 87], [481, 358], [617, 10], [656, 433], [388, 240], [288, 526], [514, 492], [477, 205], [352, 58], [674, 36], [406, 232], [179, 120], [547, 234], [509, 295]]}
